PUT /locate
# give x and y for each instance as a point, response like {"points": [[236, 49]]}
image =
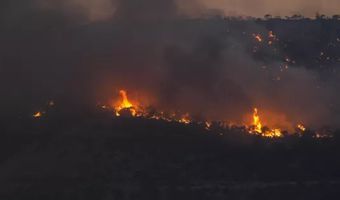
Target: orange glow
{"points": [[301, 127], [207, 125], [137, 110], [37, 115], [124, 103], [185, 119], [257, 127], [256, 121], [258, 37]]}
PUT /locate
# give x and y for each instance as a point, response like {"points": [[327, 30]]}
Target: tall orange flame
{"points": [[258, 128], [256, 121], [124, 103]]}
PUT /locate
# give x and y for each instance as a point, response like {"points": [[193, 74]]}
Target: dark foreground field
{"points": [[103, 158]]}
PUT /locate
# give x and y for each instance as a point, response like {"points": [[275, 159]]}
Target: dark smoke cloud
{"points": [[72, 52]]}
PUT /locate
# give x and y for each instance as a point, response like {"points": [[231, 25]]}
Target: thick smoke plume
{"points": [[84, 51]]}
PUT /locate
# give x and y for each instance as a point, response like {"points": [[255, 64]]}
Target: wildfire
{"points": [[135, 109], [256, 121], [258, 129], [125, 104]]}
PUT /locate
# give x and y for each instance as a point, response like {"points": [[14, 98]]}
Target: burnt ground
{"points": [[99, 157]]}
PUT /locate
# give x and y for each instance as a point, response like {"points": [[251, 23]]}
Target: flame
{"points": [[256, 121], [258, 37], [147, 111], [124, 103], [137, 110], [207, 125], [257, 127], [301, 127], [37, 114], [185, 119]]}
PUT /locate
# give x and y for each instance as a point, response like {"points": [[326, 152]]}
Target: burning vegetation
{"points": [[276, 67], [228, 93], [258, 129], [124, 104], [124, 107]]}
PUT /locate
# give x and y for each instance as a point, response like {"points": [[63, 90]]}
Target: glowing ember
{"points": [[185, 119], [207, 125], [37, 115], [301, 127], [258, 37]]}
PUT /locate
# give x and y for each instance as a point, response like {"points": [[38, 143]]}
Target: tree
{"points": [[336, 17], [268, 16]]}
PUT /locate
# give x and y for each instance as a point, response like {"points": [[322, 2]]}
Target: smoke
{"points": [[274, 7], [84, 51], [104, 9], [259, 8]]}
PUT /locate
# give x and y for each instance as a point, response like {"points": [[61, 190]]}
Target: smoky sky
{"points": [[101, 9], [83, 52], [275, 7]]}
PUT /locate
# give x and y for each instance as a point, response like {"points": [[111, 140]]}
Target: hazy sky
{"points": [[101, 9], [275, 7]]}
